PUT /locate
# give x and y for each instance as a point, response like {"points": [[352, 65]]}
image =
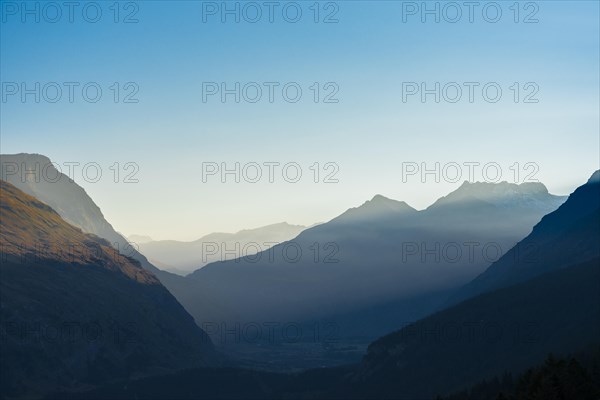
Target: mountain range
{"points": [[382, 262], [508, 329], [78, 312], [185, 257]]}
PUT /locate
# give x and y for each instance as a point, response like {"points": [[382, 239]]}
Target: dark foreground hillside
{"points": [[75, 313], [507, 330], [573, 377]]}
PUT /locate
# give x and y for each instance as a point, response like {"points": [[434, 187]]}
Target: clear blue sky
{"points": [[369, 133]]}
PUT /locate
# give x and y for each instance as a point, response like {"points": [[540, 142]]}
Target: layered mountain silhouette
{"points": [[556, 310], [546, 305], [383, 262], [76, 312], [512, 325], [185, 257]]}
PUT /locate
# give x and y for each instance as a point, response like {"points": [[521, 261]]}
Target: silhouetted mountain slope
{"points": [[76, 312], [569, 235], [66, 197], [506, 330], [74, 205], [186, 257], [383, 258]]}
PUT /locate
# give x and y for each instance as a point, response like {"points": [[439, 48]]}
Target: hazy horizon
{"points": [[237, 226]]}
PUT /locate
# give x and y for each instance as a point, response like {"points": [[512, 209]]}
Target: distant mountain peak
{"points": [[525, 187], [139, 238], [379, 197], [499, 194], [379, 206], [283, 224], [383, 202]]}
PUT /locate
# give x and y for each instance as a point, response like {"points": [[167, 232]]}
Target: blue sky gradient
{"points": [[369, 53]]}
